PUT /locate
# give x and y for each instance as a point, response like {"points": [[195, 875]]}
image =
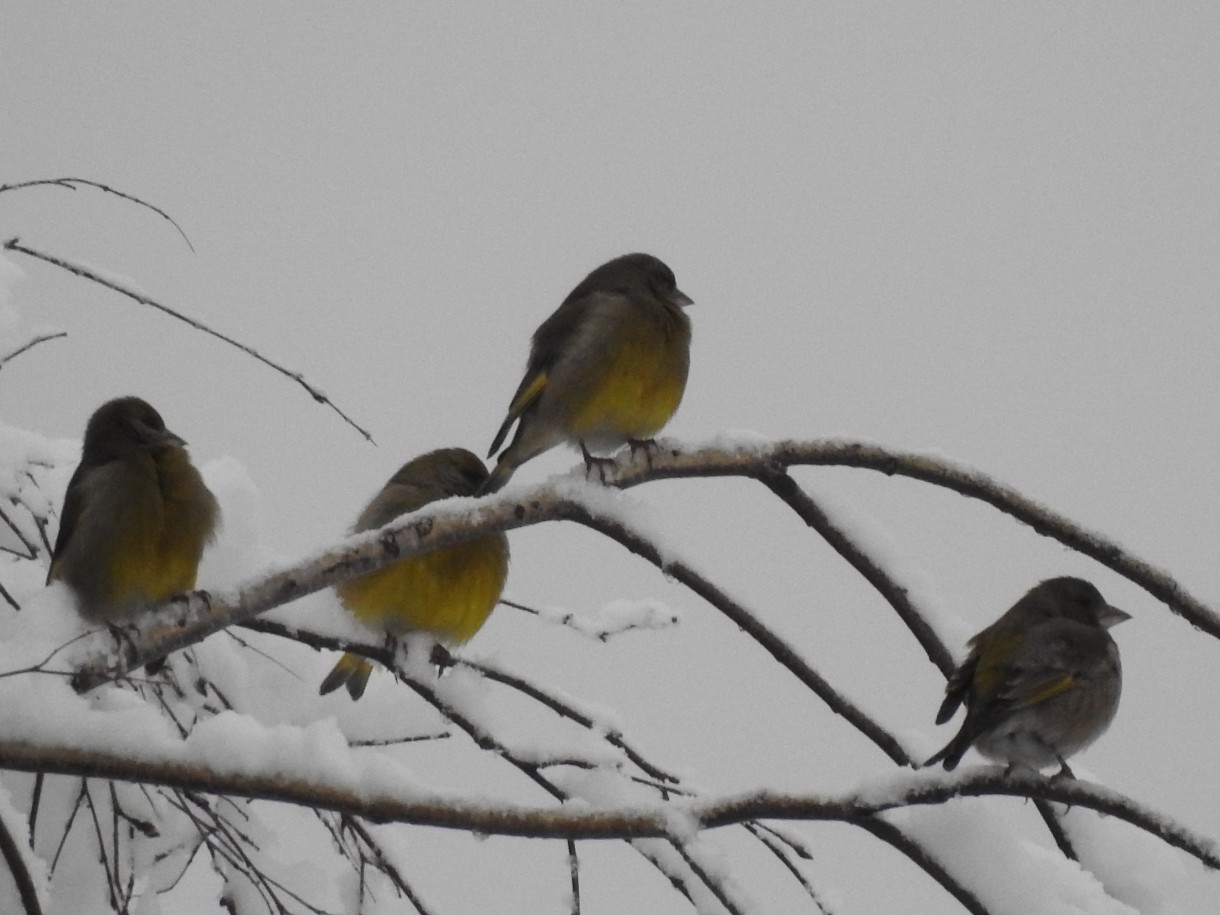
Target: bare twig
{"points": [[1055, 826], [28, 345], [17, 866], [812, 514], [895, 837], [70, 184], [8, 598], [383, 863], [780, 650], [783, 853], [14, 244]]}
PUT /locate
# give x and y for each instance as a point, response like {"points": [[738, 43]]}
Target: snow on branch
{"points": [[190, 618], [763, 459], [677, 818]]}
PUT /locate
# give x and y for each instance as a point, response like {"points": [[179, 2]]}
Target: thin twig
{"points": [[386, 866], [17, 866], [70, 184], [14, 244], [812, 514], [892, 835], [782, 852], [28, 345], [748, 622], [574, 873], [1055, 826]]}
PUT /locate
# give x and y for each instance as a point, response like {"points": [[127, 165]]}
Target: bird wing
{"points": [[69, 516], [393, 500], [551, 340], [530, 389], [956, 689], [1057, 660]]}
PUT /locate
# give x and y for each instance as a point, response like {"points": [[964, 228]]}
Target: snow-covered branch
{"points": [[762, 458], [676, 818]]}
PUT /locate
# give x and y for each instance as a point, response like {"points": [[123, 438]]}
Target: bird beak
{"points": [[168, 439], [1112, 616], [681, 299]]}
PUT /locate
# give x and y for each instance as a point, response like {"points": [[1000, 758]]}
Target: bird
{"points": [[136, 516], [448, 592], [1040, 683], [608, 367]]}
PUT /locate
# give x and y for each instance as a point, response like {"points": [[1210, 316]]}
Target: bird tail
{"points": [[499, 476], [351, 671], [951, 754]]}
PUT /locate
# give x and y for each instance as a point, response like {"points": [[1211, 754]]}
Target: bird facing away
{"points": [[136, 515], [608, 367], [1041, 682], [448, 592]]}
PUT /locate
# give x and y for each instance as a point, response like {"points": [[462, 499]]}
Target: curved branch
{"points": [[30, 344], [194, 616], [189, 618], [14, 244], [70, 184], [754, 460], [780, 650]]}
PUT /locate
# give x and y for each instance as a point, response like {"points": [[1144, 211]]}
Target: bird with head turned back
{"points": [[448, 592], [1040, 683], [136, 516], [608, 367]]}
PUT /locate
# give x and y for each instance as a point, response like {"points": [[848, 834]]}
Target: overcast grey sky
{"points": [[986, 230]]}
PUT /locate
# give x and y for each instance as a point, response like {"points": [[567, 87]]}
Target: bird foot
{"points": [[648, 445], [1064, 770], [592, 461], [443, 658]]}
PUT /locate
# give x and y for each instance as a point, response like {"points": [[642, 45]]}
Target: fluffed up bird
{"points": [[608, 367], [136, 515], [1041, 682], [448, 592]]}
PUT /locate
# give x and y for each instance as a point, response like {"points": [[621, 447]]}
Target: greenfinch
{"points": [[1041, 682], [448, 592], [608, 367], [136, 515]]}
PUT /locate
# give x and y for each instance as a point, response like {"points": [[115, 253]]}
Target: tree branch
{"points": [[14, 244], [636, 821], [782, 485], [30, 344], [70, 184], [669, 463]]}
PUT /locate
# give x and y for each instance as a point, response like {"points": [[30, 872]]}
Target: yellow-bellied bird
{"points": [[608, 367], [448, 592], [136, 515]]}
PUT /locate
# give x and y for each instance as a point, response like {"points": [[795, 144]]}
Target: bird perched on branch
{"points": [[136, 516], [608, 367], [448, 592], [1041, 682]]}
